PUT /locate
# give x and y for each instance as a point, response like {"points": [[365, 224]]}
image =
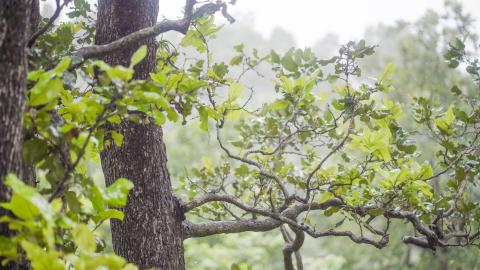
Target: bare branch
{"points": [[357, 239], [417, 241], [262, 172], [293, 246], [203, 229], [423, 229], [333, 151], [49, 23]]}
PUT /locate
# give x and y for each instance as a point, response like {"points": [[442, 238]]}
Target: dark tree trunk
{"points": [[14, 30], [150, 235]]}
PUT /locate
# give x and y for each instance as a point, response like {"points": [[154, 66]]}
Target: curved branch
{"points": [[428, 239], [285, 217], [293, 246], [423, 229]]}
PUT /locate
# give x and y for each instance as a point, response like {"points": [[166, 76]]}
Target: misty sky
{"points": [[310, 20]]}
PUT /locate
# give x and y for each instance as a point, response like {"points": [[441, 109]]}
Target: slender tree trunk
{"points": [[14, 29], [150, 235]]}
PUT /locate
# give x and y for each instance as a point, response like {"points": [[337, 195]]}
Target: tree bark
{"points": [[14, 29], [151, 233]]}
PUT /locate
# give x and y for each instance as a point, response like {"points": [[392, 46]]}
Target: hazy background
{"points": [[415, 47], [311, 20]]}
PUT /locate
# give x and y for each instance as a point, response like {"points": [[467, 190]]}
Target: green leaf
{"points": [[458, 44], [288, 63], [456, 91], [235, 91], [453, 64], [84, 239], [274, 57], [389, 70], [279, 105], [236, 60], [325, 197], [472, 70], [117, 138], [116, 194], [242, 171], [120, 73], [26, 202], [331, 210], [402, 176], [449, 116], [43, 93], [159, 118], [220, 70], [34, 150], [138, 56], [107, 261], [73, 202], [443, 126], [41, 259], [239, 48], [115, 119], [8, 247], [21, 208], [159, 78], [203, 118], [111, 213], [62, 66]]}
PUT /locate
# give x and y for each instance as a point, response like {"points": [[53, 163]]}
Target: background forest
{"points": [[414, 51]]}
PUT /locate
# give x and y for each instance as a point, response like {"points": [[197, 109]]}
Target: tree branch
{"points": [[49, 23], [293, 246], [429, 238], [262, 172], [357, 239], [203, 229], [180, 26]]}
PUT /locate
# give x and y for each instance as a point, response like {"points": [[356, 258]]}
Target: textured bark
{"points": [[34, 17], [14, 17], [151, 233], [14, 29]]}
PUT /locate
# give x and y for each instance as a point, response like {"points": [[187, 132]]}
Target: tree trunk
{"points": [[151, 234], [14, 29]]}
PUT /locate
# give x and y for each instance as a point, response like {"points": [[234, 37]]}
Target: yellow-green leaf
{"points": [[235, 91], [138, 56], [117, 138], [449, 116], [84, 238]]}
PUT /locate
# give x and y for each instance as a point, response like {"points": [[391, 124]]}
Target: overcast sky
{"points": [[310, 20]]}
